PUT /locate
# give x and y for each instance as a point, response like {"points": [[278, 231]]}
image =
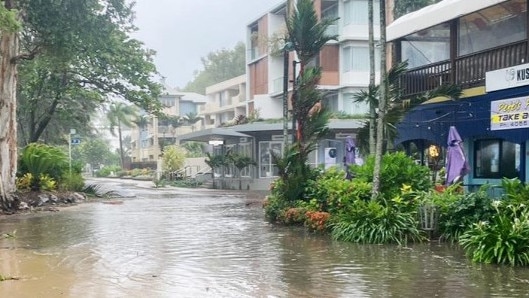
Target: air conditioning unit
{"points": [[330, 157]]}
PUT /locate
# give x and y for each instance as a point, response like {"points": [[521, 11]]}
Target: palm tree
{"points": [[372, 104], [141, 122], [381, 104], [215, 162], [191, 118], [308, 35], [397, 106], [241, 162], [120, 115]]}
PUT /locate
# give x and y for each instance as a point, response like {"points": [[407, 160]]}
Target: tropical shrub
{"points": [[274, 207], [459, 212], [108, 170], [515, 191], [316, 220], [397, 170], [24, 182], [72, 182], [504, 239], [41, 159], [173, 158], [332, 191], [293, 216], [375, 223], [47, 183]]}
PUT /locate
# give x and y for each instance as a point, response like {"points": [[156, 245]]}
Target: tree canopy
{"points": [[219, 66], [74, 56], [71, 56]]}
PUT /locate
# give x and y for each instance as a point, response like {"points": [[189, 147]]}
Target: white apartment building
{"points": [[225, 101], [148, 138], [345, 62]]}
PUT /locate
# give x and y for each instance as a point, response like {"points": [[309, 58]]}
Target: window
{"points": [[331, 102], [356, 58], [496, 158], [355, 12], [266, 166], [427, 46], [494, 26], [351, 107]]}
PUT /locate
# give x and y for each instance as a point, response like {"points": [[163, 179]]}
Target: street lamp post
{"points": [[72, 132]]}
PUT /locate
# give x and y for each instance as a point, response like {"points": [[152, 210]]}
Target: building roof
{"points": [[211, 134], [433, 15], [244, 130]]}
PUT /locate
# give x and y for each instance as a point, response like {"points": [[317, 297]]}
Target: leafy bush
{"points": [[375, 223], [72, 182], [397, 170], [108, 170], [24, 182], [293, 216], [515, 191], [40, 159], [275, 206], [504, 239], [460, 214], [316, 220], [47, 183], [333, 192]]}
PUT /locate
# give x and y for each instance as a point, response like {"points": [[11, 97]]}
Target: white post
{"points": [[72, 131]]}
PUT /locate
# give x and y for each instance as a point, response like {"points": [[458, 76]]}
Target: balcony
{"points": [[465, 71]]}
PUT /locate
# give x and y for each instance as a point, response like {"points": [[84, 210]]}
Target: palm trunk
{"points": [[8, 126], [121, 147], [372, 111], [381, 104]]}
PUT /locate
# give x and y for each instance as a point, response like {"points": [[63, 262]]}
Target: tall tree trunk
{"points": [[121, 155], [381, 103], [372, 111], [8, 107]]}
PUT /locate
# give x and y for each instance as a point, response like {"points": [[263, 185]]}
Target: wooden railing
{"points": [[469, 69]]}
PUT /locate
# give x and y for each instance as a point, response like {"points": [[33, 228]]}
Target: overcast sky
{"points": [[183, 31]]}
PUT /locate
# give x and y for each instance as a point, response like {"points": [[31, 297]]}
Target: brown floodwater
{"points": [[201, 243]]}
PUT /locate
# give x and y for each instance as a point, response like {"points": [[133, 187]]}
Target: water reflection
{"points": [[173, 244]]}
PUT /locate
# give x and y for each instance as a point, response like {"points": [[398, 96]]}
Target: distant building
{"points": [[259, 94], [148, 139]]}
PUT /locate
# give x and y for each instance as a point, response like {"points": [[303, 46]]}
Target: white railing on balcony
{"points": [[277, 85]]}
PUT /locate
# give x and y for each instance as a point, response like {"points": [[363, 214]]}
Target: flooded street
{"points": [[203, 243]]}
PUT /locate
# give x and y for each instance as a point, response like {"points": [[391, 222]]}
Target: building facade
{"points": [[481, 46], [345, 71], [151, 134]]}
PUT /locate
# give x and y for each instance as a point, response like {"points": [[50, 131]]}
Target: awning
{"points": [[471, 117], [433, 15], [212, 134]]}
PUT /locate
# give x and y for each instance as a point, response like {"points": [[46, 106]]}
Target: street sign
{"points": [[76, 141]]}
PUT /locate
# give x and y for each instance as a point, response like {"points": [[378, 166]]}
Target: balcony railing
{"points": [[468, 71]]}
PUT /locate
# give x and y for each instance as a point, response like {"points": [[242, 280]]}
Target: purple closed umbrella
{"points": [[456, 162], [349, 158]]}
